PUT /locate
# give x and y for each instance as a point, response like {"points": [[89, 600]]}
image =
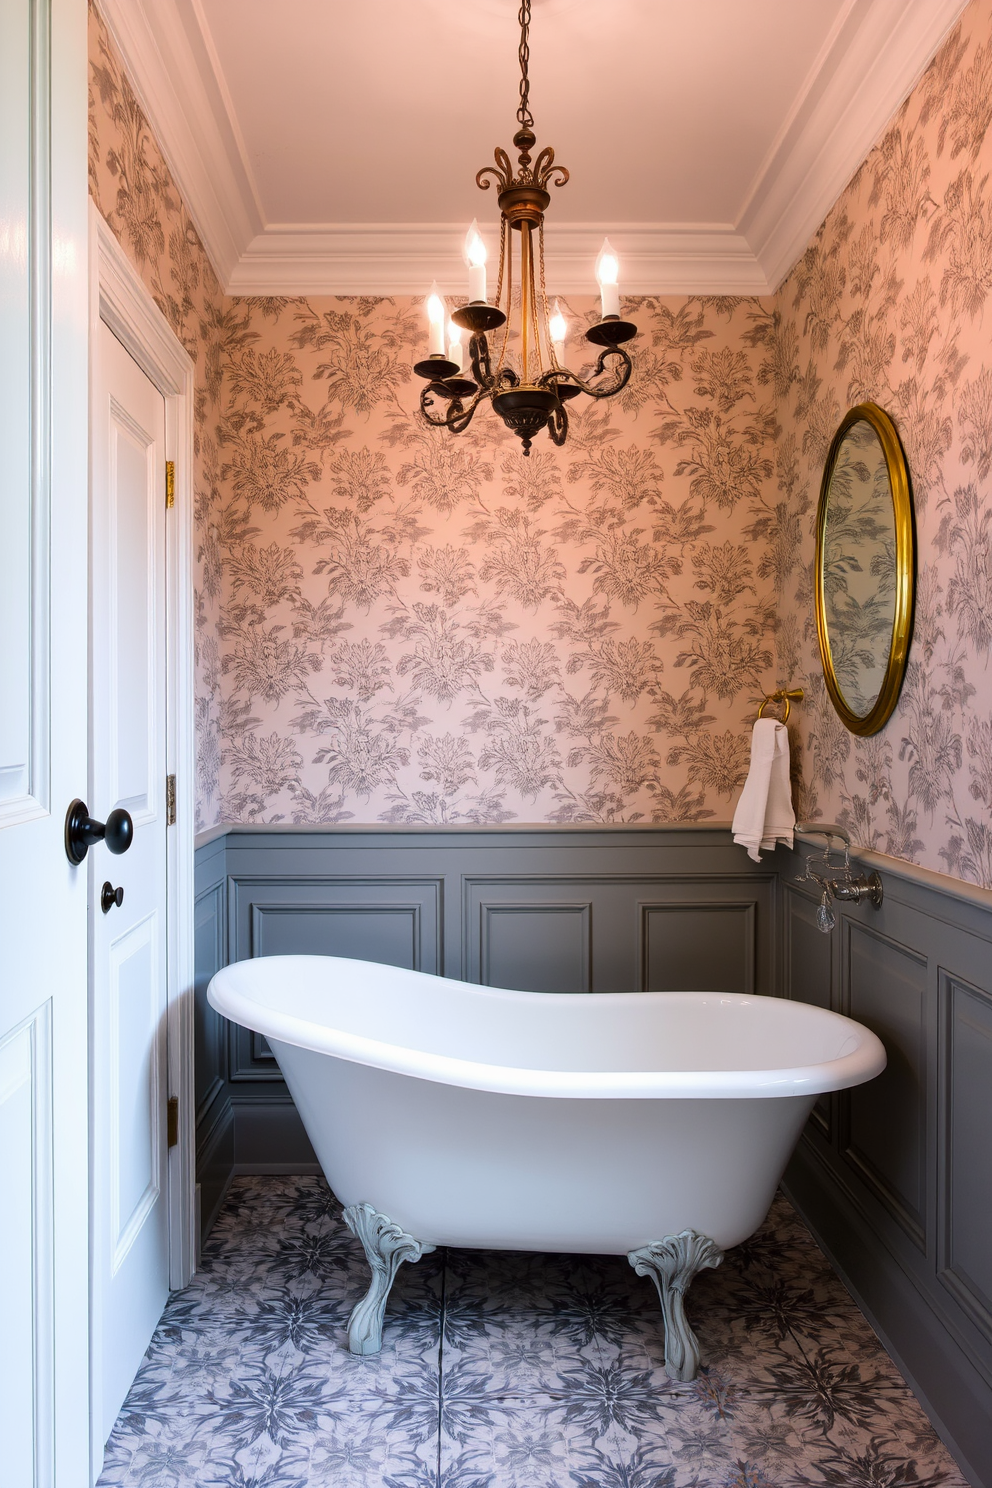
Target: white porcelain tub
{"points": [[445, 1113]]}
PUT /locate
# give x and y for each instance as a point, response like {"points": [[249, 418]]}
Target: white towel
{"points": [[764, 814]]}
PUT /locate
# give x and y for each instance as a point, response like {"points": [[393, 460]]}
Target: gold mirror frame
{"points": [[902, 624]]}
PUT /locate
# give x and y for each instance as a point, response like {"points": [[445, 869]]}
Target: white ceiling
{"points": [[332, 147]]}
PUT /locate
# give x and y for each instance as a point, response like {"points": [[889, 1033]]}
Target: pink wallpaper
{"points": [[132, 187], [420, 627], [396, 625], [891, 303]]}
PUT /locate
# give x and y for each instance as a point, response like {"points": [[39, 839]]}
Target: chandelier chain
{"points": [[502, 253], [544, 297], [524, 115], [535, 316]]}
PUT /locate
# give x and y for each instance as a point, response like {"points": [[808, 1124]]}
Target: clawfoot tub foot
{"points": [[671, 1264], [386, 1247]]}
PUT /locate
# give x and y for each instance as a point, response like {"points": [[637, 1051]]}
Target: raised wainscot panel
{"points": [[536, 947], [137, 1101], [625, 933], [964, 1261], [209, 1027], [883, 1124], [808, 976], [392, 920], [697, 947]]}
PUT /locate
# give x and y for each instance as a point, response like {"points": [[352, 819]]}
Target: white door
{"points": [[129, 940], [43, 606]]}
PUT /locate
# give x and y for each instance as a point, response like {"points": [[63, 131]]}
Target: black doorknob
{"points": [[81, 831], [109, 896]]}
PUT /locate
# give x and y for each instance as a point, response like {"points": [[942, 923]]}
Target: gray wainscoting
{"points": [[895, 1177]]}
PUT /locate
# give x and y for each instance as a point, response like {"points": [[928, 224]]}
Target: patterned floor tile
{"points": [[509, 1370]]}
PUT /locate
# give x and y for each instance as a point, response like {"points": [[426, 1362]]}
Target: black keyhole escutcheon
{"points": [[109, 897]]}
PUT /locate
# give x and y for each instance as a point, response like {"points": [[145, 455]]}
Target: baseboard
{"points": [[277, 1169], [214, 1164], [949, 1389], [269, 1136]]}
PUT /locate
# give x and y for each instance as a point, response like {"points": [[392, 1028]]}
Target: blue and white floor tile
{"points": [[508, 1370]]}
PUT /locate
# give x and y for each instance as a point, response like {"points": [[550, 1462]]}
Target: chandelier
{"points": [[535, 396]]}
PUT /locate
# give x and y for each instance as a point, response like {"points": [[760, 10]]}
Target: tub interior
{"points": [[678, 1031]]}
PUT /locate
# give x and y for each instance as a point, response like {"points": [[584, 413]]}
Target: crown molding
{"points": [[172, 71], [865, 72], [403, 258], [866, 68]]}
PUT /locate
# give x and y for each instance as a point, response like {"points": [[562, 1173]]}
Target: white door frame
{"points": [[119, 298]]}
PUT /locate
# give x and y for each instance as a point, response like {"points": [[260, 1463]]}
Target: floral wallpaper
{"points": [[891, 304], [420, 627], [134, 191], [399, 626]]}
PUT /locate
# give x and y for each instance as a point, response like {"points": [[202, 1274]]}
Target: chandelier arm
{"points": [[620, 375], [478, 351], [558, 425], [457, 416]]}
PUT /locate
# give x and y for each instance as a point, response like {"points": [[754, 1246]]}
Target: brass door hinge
{"points": [[172, 1123], [170, 800], [170, 483]]}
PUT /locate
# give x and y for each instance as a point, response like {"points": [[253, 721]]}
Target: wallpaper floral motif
{"points": [[395, 625], [133, 189], [890, 303], [419, 627]]}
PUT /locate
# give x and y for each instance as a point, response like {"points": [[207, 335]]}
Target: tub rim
{"points": [[862, 1063]]}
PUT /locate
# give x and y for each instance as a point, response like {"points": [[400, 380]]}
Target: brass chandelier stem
{"points": [[526, 296]]}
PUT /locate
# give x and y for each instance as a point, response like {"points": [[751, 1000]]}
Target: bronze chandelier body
{"points": [[535, 397]]}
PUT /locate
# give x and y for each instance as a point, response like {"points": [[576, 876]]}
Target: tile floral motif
{"points": [[508, 1370]]}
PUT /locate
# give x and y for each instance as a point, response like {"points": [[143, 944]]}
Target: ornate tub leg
{"points": [[671, 1264], [386, 1247]]}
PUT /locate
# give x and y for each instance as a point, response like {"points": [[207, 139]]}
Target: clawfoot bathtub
{"points": [[651, 1124]]}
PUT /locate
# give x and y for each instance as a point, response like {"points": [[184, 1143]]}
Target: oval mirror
{"points": [[865, 556]]}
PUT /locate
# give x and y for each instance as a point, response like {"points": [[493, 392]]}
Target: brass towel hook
{"points": [[785, 695]]}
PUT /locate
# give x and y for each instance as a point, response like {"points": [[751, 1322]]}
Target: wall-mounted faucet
{"points": [[845, 885]]}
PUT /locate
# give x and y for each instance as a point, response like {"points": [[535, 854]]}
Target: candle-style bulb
{"points": [[474, 253], [455, 344], [558, 330], [436, 315], [607, 277], [475, 247]]}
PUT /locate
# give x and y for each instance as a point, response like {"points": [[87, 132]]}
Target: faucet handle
{"points": [[865, 886]]}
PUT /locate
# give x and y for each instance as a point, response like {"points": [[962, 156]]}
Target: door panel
{"points": [[43, 756], [134, 626], [135, 996], [129, 987]]}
